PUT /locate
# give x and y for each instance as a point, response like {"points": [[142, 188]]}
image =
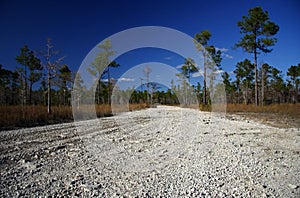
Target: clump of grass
{"points": [[203, 107], [103, 110], [139, 106]]}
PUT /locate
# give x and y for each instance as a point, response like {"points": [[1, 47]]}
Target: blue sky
{"points": [[76, 27]]}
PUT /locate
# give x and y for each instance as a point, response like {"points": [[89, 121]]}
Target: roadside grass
{"points": [[13, 117], [283, 109], [278, 115], [32, 115]]}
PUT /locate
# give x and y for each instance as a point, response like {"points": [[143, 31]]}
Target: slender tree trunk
{"points": [[98, 92], [255, 73], [108, 95], [49, 94], [204, 81], [64, 97], [147, 74], [25, 86], [262, 86], [296, 92], [30, 93]]}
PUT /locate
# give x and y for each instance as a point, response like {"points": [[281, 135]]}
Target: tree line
{"points": [[41, 78], [46, 68]]}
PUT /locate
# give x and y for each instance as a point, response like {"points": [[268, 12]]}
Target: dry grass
{"points": [[135, 107], [285, 109], [278, 115], [17, 116]]}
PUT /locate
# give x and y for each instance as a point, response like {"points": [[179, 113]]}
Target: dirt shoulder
{"points": [[271, 119]]}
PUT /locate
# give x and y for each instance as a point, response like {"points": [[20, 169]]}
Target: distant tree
{"points": [[258, 33], [265, 74], [30, 62], [101, 65], [211, 58], [277, 85], [294, 73], [147, 71], [78, 90], [213, 65], [43, 90], [188, 68], [244, 75], [8, 87], [112, 64], [229, 87], [65, 76], [202, 39], [197, 90]]}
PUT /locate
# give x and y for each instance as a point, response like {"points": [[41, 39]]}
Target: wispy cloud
{"points": [[120, 79], [168, 58], [197, 74], [219, 71], [178, 66], [126, 79], [222, 49], [224, 52], [228, 56]]}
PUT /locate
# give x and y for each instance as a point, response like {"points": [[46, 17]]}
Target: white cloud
{"points": [[178, 66], [221, 49], [224, 54], [197, 74], [219, 71], [228, 56], [126, 79], [168, 58]]}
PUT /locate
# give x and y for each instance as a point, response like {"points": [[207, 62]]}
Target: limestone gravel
{"points": [[157, 152]]}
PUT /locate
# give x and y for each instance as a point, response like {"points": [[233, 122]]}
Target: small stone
{"points": [[22, 161], [292, 186], [264, 186]]}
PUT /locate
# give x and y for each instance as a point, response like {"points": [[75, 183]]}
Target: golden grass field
{"points": [[285, 115], [278, 115], [18, 116]]}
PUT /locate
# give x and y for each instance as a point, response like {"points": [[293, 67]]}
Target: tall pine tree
{"points": [[258, 33]]}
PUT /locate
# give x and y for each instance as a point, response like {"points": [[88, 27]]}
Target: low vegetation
{"points": [[12, 117], [278, 115], [282, 109]]}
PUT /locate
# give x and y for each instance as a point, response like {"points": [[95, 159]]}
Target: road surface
{"points": [[157, 152]]}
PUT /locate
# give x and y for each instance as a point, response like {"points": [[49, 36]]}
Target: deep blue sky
{"points": [[76, 27]]}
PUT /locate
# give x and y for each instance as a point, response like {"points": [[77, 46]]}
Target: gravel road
{"points": [[157, 152]]}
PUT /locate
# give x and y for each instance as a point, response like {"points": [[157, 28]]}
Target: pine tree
{"points": [[258, 33]]}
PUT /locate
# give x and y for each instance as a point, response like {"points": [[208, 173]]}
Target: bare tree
{"points": [[52, 64], [147, 71]]}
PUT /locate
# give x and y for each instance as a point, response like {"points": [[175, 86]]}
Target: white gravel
{"points": [[157, 152]]}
